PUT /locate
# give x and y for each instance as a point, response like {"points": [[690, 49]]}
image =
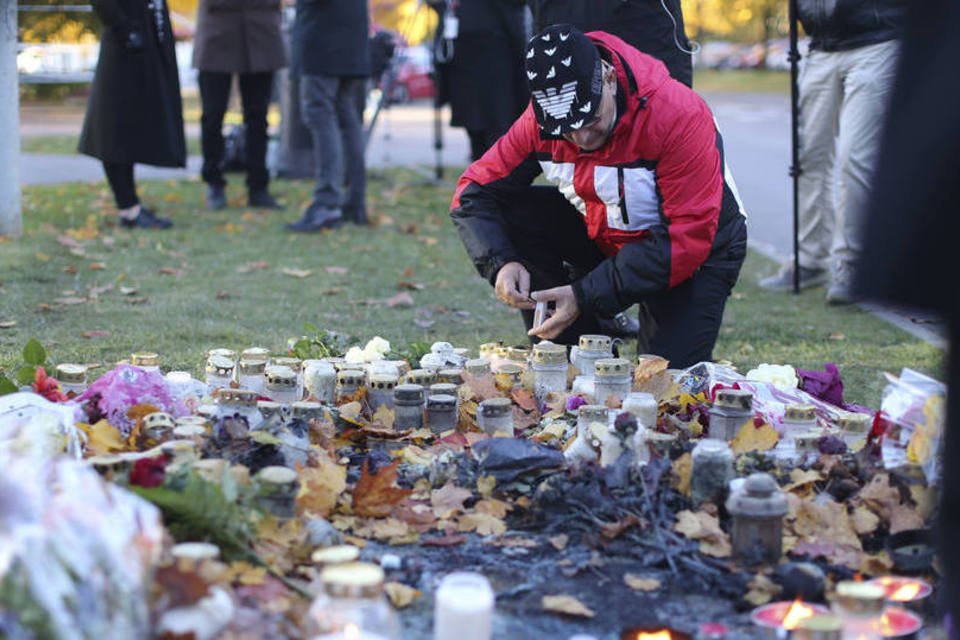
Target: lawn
{"points": [[94, 293]]}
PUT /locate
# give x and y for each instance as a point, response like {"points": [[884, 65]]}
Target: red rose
{"points": [[149, 472], [47, 387]]}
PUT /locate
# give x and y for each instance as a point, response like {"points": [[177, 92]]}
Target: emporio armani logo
{"points": [[556, 103]]}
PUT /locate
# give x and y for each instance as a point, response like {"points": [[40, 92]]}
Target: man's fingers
{"points": [[523, 284]]}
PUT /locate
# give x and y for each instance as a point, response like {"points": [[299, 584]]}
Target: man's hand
{"points": [[567, 311], [513, 286]]}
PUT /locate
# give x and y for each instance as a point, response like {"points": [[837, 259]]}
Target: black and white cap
{"points": [[565, 78]]}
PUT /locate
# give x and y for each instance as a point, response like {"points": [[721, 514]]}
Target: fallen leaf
{"points": [[250, 266], [97, 266], [296, 273], [753, 438], [837, 336], [400, 595], [182, 588], [559, 542], [612, 530], [102, 438], [682, 468], [496, 508], [244, 573], [170, 271], [762, 590], [640, 583], [864, 521], [385, 416], [706, 529], [410, 286], [524, 399], [375, 494], [567, 605], [451, 540], [128, 291], [484, 524], [70, 300], [8, 324], [320, 486], [336, 270], [402, 299], [801, 480], [448, 500], [429, 240], [485, 485]]}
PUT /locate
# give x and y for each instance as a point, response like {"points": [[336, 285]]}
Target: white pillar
{"points": [[10, 214]]}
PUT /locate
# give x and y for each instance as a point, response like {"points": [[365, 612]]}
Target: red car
{"points": [[414, 75]]}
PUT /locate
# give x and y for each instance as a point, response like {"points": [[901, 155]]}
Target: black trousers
{"points": [[680, 324], [120, 179], [255, 90]]}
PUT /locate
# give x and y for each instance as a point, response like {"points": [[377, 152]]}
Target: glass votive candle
{"points": [[72, 379], [146, 360], [320, 380], [549, 369], [463, 608], [219, 372], [441, 412], [349, 382], [495, 415], [380, 391], [281, 384], [408, 405], [612, 381], [251, 375]]}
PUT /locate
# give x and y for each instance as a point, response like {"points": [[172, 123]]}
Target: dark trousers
{"points": [[331, 108], [680, 324], [120, 179], [255, 90]]}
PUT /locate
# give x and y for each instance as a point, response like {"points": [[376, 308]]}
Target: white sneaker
{"points": [[841, 282]]}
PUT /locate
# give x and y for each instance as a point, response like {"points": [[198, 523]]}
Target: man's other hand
{"points": [[513, 286], [567, 311]]}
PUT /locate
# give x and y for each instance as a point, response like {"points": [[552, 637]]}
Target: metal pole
{"points": [[795, 169], [11, 222], [438, 137]]}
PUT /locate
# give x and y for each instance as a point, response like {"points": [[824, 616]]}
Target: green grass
{"points": [[741, 81], [195, 288], [65, 145]]}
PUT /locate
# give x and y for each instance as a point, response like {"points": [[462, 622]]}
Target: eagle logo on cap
{"points": [[556, 103]]}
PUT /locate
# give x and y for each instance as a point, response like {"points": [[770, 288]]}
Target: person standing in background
{"points": [[845, 84], [331, 56], [134, 114], [655, 27], [479, 62], [239, 37]]}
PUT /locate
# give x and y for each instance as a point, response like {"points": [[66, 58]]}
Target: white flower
{"points": [[378, 345], [779, 375], [354, 354]]}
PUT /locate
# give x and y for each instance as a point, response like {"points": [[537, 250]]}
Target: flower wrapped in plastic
{"points": [[112, 396]]}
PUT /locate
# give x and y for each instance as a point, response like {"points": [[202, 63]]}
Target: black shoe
{"points": [[316, 218], [216, 197], [620, 326], [357, 217], [146, 219], [261, 199]]}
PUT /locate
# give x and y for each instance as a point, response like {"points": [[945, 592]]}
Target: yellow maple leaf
{"points": [[102, 438], [400, 595], [385, 416], [320, 486], [640, 583], [245, 573], [762, 590], [484, 524], [682, 467], [495, 508], [751, 438], [485, 485]]}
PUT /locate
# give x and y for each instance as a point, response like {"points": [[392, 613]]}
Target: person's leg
{"points": [[318, 97], [551, 238], [120, 179], [214, 95], [868, 74], [820, 96], [350, 104], [688, 317], [255, 89], [131, 213]]}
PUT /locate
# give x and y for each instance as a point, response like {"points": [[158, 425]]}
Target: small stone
{"points": [[391, 562], [322, 534]]}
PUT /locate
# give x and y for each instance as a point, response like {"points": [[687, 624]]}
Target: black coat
{"points": [[484, 80], [330, 38], [134, 114], [849, 24], [644, 24], [913, 221]]}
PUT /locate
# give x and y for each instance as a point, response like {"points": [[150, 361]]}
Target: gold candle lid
{"points": [[144, 359], [353, 579], [337, 554], [350, 377], [549, 353], [477, 366], [860, 597], [855, 422], [276, 475], [612, 367], [71, 373], [488, 348], [238, 397], [799, 413], [158, 420], [518, 354]]}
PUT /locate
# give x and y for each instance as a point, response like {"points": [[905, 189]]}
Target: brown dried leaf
{"points": [[170, 271], [402, 299], [567, 605], [751, 438], [182, 588], [448, 501], [864, 521], [484, 524], [704, 527], [375, 495], [385, 416], [495, 508], [96, 333], [524, 399], [801, 481], [682, 467], [640, 583], [612, 530], [400, 595]]}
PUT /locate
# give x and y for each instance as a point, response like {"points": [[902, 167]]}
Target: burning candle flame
{"points": [[797, 613], [906, 592], [655, 635]]}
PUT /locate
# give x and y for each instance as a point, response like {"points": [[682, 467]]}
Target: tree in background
{"points": [[410, 18], [76, 26], [739, 20]]}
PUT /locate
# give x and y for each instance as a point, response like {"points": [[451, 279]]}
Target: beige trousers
{"points": [[843, 99]]}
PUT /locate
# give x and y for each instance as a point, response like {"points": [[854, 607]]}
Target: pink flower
{"points": [[47, 387]]}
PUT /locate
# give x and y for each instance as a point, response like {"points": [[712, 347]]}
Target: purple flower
{"points": [[574, 403]]}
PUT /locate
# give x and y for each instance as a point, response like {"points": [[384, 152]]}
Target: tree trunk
{"points": [[10, 214]]}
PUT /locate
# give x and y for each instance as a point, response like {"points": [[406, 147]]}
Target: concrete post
{"points": [[11, 223]]}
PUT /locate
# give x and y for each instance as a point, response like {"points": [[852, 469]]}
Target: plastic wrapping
{"points": [[75, 551], [124, 387], [913, 412], [769, 400], [31, 425]]}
